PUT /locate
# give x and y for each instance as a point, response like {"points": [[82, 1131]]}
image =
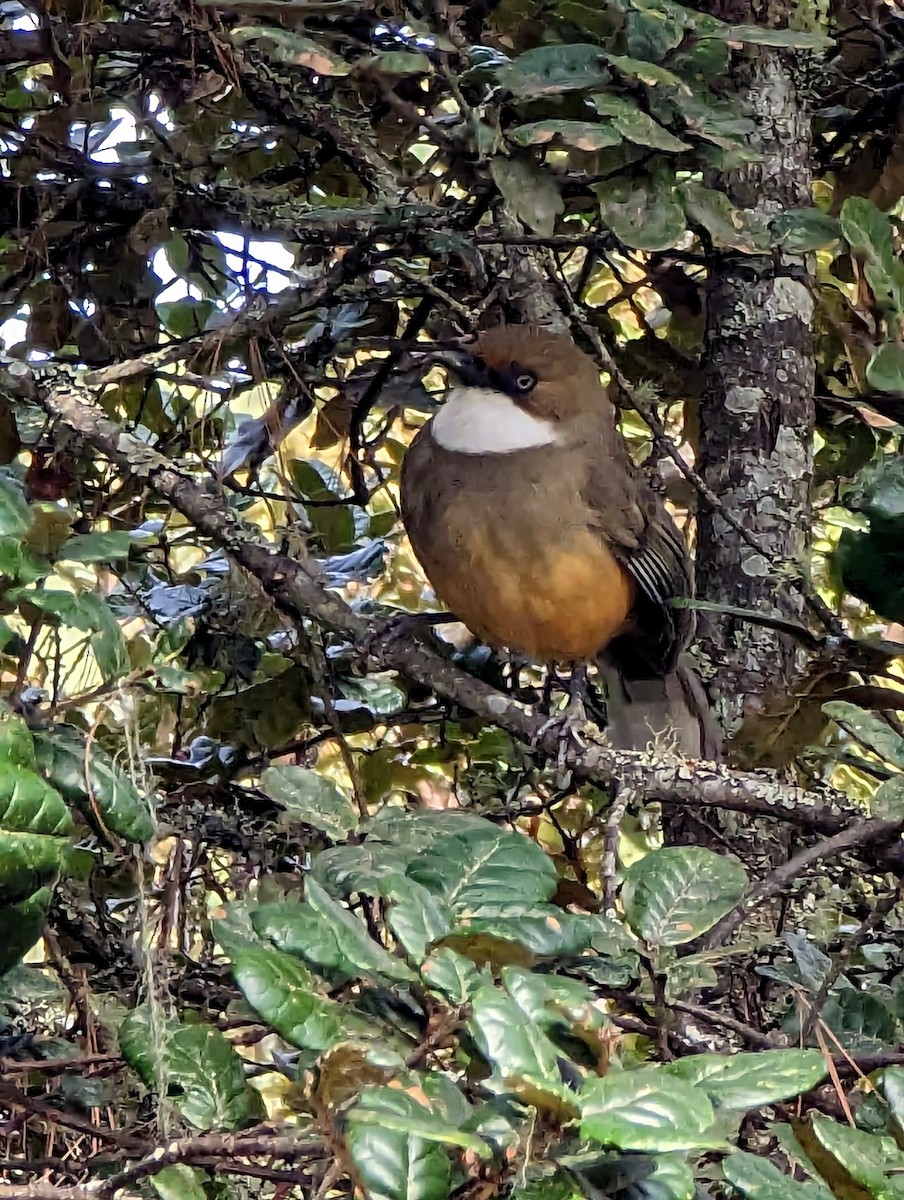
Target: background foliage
{"points": [[297, 901]]}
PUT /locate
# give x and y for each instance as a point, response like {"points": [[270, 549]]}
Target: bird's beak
{"points": [[465, 368]]}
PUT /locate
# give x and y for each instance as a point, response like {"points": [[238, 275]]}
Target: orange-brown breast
{"points": [[506, 542]]}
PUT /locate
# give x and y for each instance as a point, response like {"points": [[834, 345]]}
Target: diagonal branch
{"points": [[298, 589]]}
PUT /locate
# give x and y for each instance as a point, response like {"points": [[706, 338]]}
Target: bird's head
{"points": [[519, 387]]}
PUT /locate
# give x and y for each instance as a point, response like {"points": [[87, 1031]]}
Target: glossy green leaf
{"points": [[485, 867], [871, 730], [870, 235], [418, 918], [353, 938], [28, 804], [756, 1178], [885, 370], [637, 126], [17, 746], [711, 210], [409, 1111], [64, 757], [451, 975], [523, 1058], [675, 894], [583, 135], [297, 929], [90, 613], [891, 1083], [642, 214], [530, 193], [397, 62], [21, 924], [743, 1081], [875, 1162], [394, 1165], [98, 547], [311, 798], [180, 1182], [196, 1064], [548, 70], [780, 39], [801, 230], [642, 1110], [15, 514], [284, 992]]}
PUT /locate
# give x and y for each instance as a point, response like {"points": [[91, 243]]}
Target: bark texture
{"points": [[757, 410]]}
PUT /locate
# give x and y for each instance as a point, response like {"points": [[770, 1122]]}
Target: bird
{"points": [[534, 527]]}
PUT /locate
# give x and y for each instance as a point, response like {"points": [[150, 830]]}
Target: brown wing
{"points": [[646, 541]]}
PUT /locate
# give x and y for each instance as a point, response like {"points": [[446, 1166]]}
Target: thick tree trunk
{"points": [[757, 412]]}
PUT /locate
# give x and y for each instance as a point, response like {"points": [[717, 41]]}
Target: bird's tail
{"points": [[671, 711]]}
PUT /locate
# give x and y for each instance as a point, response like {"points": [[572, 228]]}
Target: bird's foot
{"points": [[569, 724], [397, 628]]}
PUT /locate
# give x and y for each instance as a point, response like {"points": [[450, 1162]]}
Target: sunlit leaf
{"points": [[673, 895]]}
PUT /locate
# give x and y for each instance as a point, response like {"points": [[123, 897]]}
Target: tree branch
{"points": [[297, 588]]}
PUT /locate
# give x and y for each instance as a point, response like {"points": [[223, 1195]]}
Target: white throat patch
{"points": [[484, 421]]}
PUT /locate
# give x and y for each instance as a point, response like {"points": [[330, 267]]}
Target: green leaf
{"points": [[641, 213], [653, 75], [393, 1165], [283, 991], [583, 135], [34, 829], [29, 804], [98, 547], [869, 729], [17, 746], [641, 1110], [15, 515], [311, 798], [756, 1178], [63, 757], [548, 70], [396, 62], [885, 370], [196, 1063], [451, 975], [743, 1081], [711, 210], [90, 613], [673, 895], [781, 39], [186, 317], [870, 235], [874, 1162], [525, 1061], [369, 869], [297, 929], [530, 193], [653, 34], [180, 1182], [801, 230], [293, 48], [546, 931], [891, 1082], [353, 938], [418, 918], [485, 867], [410, 1112], [888, 800], [637, 126], [21, 925]]}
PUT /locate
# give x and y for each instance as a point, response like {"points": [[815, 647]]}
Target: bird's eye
{"points": [[525, 381]]}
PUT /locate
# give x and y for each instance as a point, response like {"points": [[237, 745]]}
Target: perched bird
{"points": [[537, 531]]}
